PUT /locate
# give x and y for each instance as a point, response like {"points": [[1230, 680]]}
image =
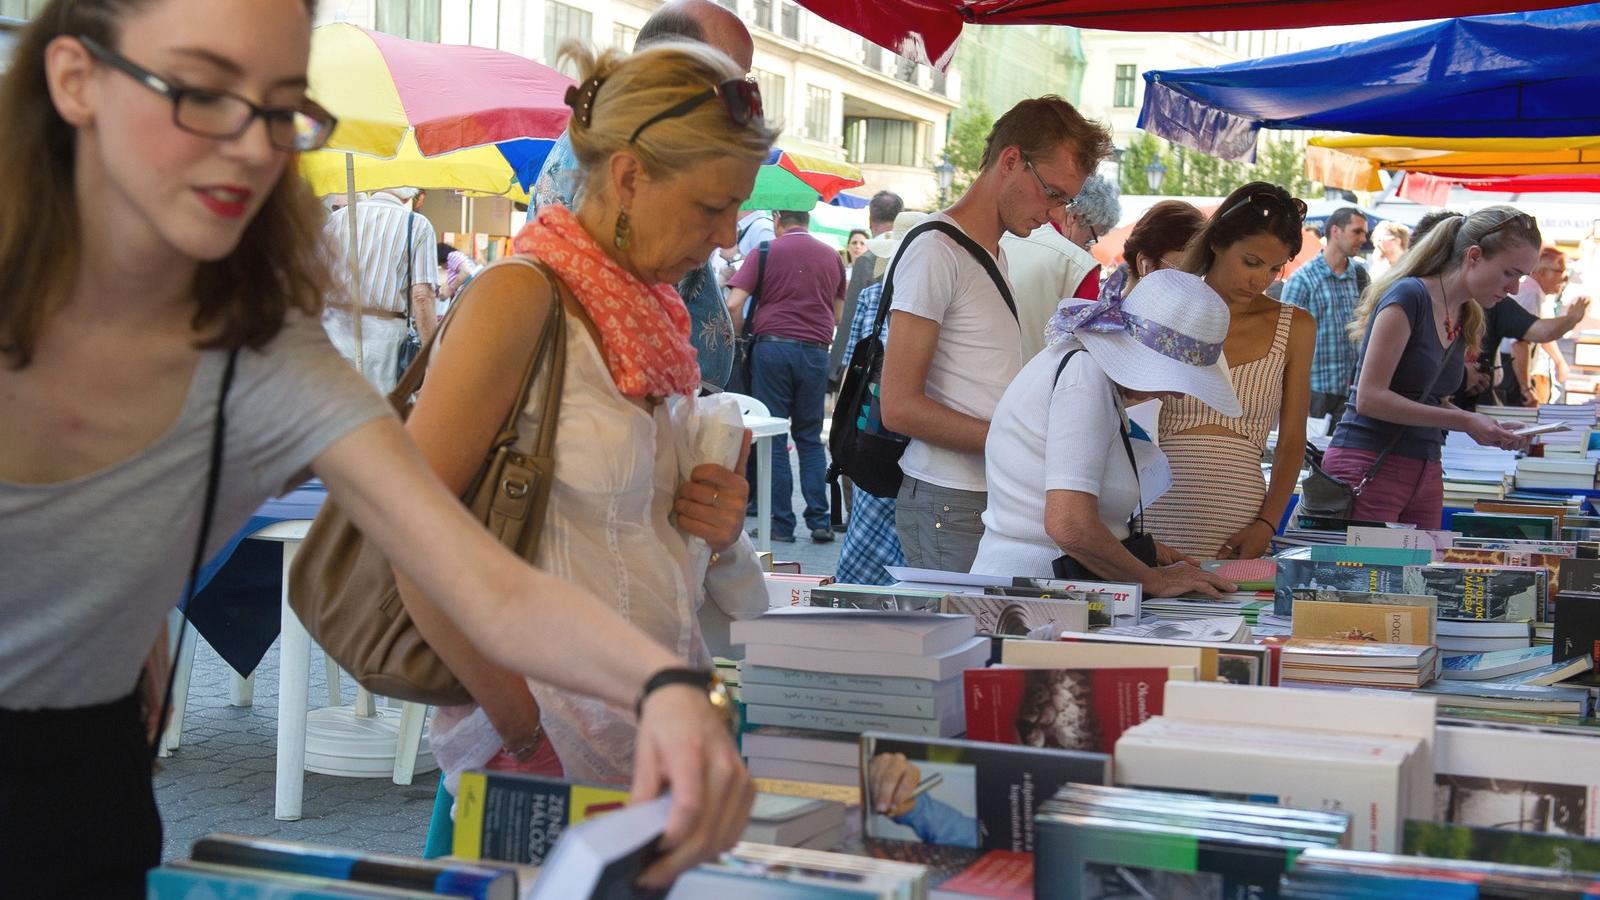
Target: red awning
{"points": [[1434, 190], [926, 30]]}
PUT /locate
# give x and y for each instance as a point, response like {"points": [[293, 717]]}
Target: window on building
{"points": [[791, 21], [774, 97], [886, 142], [729, 4], [819, 113], [764, 14], [1126, 85], [623, 37], [872, 56], [563, 23], [414, 19]]}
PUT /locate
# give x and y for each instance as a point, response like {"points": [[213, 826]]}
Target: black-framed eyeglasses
{"points": [[1055, 197], [223, 116], [1267, 204], [1094, 237], [741, 97]]}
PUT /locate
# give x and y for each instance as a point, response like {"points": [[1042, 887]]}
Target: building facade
{"points": [[1003, 64], [837, 96]]}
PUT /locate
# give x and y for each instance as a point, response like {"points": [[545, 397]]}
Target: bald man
{"points": [[693, 20]]}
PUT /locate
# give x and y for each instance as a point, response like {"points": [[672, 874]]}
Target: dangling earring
{"points": [[620, 237]]}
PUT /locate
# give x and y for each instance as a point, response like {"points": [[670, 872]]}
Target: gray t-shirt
{"points": [[1426, 373], [90, 566]]}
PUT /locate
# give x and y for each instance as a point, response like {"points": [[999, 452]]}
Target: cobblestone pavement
{"points": [[222, 777]]}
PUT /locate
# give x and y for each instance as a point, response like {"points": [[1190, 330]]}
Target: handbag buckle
{"points": [[514, 488]]}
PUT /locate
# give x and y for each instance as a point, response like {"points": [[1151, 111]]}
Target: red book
{"points": [[1073, 709], [998, 874]]}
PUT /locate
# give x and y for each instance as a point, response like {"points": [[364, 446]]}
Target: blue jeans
{"points": [[791, 380]]}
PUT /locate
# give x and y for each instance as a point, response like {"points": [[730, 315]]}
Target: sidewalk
{"points": [[222, 777]]}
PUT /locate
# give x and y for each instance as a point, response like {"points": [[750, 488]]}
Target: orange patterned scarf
{"points": [[644, 329]]}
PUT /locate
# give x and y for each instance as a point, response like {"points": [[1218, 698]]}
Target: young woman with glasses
{"points": [[164, 368], [1413, 325], [1219, 506]]}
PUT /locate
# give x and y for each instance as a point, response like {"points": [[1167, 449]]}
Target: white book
{"points": [[1090, 655], [799, 770], [1402, 715], [774, 742], [789, 821], [1403, 538], [871, 684], [849, 701], [763, 872], [971, 654], [1524, 779], [1477, 628], [855, 629], [1365, 776], [601, 854], [1496, 663], [950, 724]]}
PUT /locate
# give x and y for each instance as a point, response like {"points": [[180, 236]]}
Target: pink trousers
{"points": [[1403, 490]]}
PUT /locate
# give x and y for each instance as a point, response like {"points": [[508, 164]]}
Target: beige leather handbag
{"points": [[342, 587]]}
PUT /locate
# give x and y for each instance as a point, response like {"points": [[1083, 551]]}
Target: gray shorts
{"points": [[939, 527]]}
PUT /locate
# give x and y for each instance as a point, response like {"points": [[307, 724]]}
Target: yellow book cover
{"points": [[517, 818], [1377, 622]]}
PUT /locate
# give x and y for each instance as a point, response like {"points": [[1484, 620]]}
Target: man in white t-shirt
{"points": [[954, 344]]}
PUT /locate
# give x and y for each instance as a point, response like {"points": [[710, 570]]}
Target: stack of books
{"points": [[804, 822], [1525, 775], [924, 654], [1473, 472], [231, 865], [1325, 874], [1576, 612], [1560, 471], [1244, 605], [1488, 593], [1116, 842], [786, 589], [801, 754], [1495, 664], [1401, 537], [1369, 756], [1525, 698], [1360, 662], [1456, 636], [1512, 416]]}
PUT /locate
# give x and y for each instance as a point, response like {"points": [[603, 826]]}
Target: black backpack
{"points": [[862, 449]]}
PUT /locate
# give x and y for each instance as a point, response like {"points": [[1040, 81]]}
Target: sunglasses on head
{"points": [[1266, 204], [741, 98], [1526, 221]]}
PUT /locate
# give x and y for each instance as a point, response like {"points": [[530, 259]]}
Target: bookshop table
{"points": [[762, 430]]}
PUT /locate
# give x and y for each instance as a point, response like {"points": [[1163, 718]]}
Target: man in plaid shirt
{"points": [[870, 543], [1329, 287]]}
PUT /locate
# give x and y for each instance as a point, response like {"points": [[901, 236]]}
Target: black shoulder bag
{"points": [[1140, 544], [744, 345], [862, 449]]}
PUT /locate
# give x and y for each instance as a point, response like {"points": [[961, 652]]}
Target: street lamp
{"points": [[946, 174], [1154, 174]]}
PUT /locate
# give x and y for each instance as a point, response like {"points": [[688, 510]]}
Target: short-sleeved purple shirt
{"points": [[804, 277]]}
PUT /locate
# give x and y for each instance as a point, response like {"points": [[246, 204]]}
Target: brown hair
{"points": [[1165, 227], [1040, 125], [1441, 250], [1275, 212], [241, 300]]}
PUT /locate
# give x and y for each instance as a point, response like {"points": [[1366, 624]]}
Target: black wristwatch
{"points": [[716, 694]]}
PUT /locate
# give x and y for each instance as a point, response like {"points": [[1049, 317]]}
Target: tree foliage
{"points": [[1191, 173], [965, 144]]}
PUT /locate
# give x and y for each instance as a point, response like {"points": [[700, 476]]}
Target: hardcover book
{"points": [[1069, 709], [973, 795]]}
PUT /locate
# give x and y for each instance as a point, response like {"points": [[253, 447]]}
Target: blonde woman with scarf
{"points": [[669, 141]]}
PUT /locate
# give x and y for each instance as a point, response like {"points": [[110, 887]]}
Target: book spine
{"points": [[851, 701], [851, 723], [826, 681]]}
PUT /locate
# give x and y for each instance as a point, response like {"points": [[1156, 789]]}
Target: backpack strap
{"points": [[960, 237]]}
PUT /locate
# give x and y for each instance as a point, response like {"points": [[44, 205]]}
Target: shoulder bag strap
{"points": [[1372, 470], [219, 431], [886, 299], [411, 259], [1135, 521], [749, 327]]}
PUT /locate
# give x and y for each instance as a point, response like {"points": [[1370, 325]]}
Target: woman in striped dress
{"points": [[1219, 505]]}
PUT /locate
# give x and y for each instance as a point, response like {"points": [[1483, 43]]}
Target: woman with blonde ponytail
{"points": [[1415, 324]]}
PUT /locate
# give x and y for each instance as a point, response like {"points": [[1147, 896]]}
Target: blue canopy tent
{"points": [[1523, 74]]}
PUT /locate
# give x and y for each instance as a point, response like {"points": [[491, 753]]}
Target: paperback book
{"points": [[1033, 617], [519, 818], [1068, 709]]}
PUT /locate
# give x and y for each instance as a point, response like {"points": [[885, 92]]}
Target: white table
{"points": [[762, 430], [362, 735]]}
